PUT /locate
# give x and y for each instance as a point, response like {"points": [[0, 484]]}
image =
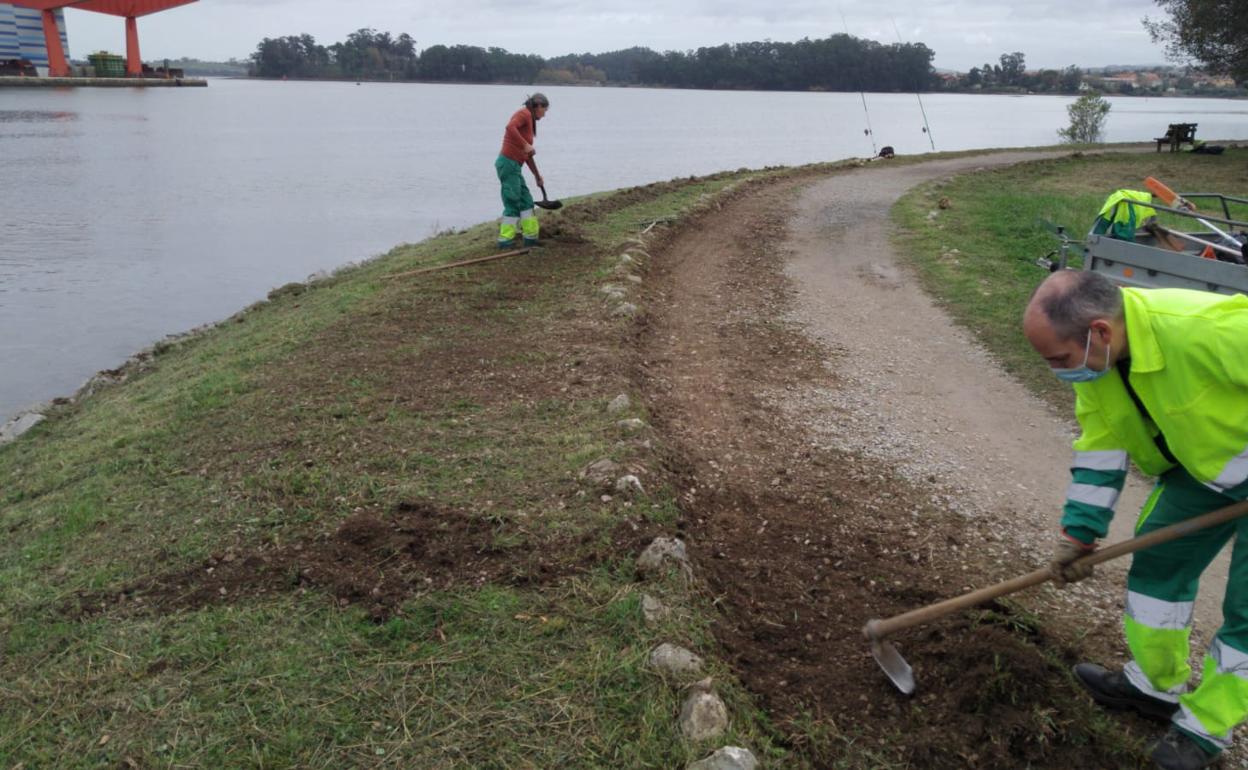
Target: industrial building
{"points": [[21, 35]]}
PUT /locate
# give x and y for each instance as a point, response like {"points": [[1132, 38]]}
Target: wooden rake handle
{"points": [[464, 263], [878, 629]]}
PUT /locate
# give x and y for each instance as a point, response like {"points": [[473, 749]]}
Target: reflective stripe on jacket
{"points": [[1189, 367]]}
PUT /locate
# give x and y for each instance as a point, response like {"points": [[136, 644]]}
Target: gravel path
{"points": [[918, 394]]}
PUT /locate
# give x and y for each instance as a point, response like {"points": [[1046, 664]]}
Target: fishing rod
{"points": [[926, 128], [869, 132]]}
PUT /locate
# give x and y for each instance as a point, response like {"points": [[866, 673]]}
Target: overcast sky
{"points": [[963, 33]]}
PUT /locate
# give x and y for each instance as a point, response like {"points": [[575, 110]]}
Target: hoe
{"points": [[899, 671]]}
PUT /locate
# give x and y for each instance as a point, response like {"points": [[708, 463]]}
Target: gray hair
{"points": [[1079, 298]]}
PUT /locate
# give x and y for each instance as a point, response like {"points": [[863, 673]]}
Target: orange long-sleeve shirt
{"points": [[520, 132]]}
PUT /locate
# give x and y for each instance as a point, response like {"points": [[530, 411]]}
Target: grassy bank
{"points": [[977, 257], [346, 528]]}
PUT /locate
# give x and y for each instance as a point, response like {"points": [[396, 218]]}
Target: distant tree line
{"points": [[1010, 74], [836, 63]]}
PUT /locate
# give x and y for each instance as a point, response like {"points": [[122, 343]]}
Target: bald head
{"points": [[1075, 318], [1070, 300]]}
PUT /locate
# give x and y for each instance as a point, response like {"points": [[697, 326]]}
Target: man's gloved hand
{"points": [[1067, 550]]}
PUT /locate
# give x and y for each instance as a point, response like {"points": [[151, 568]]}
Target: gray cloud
{"points": [[964, 33]]}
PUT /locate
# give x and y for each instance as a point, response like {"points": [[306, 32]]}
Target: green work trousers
{"points": [[517, 202], [1161, 595]]}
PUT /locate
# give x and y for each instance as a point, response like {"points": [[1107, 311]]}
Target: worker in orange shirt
{"points": [[517, 151]]}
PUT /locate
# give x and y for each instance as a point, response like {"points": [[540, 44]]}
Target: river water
{"points": [[130, 214]]}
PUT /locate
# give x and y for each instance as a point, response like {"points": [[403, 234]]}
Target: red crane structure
{"points": [[130, 10]]}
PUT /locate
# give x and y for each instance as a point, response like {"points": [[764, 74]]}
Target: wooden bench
{"points": [[1176, 135]]}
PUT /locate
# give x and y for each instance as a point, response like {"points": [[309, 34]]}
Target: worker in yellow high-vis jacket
{"points": [[1161, 379]]}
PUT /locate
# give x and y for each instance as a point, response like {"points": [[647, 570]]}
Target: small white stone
{"points": [[600, 473], [631, 424], [619, 404], [675, 662], [625, 309], [662, 553], [727, 758], [653, 610], [704, 715], [629, 485]]}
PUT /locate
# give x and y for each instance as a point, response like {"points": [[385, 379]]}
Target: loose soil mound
{"points": [[376, 562]]}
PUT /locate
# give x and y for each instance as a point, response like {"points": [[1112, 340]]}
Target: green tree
{"points": [[1012, 68], [291, 56], [1072, 78], [988, 76], [1213, 32], [1087, 119]]}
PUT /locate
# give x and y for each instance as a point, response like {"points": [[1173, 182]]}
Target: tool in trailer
{"points": [[1173, 199]]}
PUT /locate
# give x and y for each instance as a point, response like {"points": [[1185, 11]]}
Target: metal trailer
{"points": [[1144, 262]]}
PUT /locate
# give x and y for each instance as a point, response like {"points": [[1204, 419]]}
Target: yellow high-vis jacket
{"points": [[1189, 369]]}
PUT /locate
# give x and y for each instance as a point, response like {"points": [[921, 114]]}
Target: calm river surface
{"points": [[131, 214]]}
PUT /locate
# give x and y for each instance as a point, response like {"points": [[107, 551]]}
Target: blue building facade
{"points": [[21, 35]]}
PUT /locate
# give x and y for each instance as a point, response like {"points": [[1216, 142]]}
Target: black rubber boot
{"points": [[1179, 751], [1111, 688], [534, 243]]}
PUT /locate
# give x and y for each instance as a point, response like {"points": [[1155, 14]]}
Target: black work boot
{"points": [[1111, 688], [1179, 751]]}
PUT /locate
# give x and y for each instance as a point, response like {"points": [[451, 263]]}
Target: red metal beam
{"points": [[134, 62], [130, 10], [125, 8], [112, 7], [58, 67], [45, 5]]}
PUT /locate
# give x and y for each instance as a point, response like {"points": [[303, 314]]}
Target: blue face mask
{"points": [[1082, 373]]}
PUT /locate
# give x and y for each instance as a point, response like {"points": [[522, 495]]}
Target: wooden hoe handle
{"points": [[878, 629]]}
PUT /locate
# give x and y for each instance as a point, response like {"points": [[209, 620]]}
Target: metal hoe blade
{"points": [[894, 665]]}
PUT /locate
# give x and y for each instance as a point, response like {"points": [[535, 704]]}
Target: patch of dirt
{"points": [[469, 352], [801, 543], [373, 561]]}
